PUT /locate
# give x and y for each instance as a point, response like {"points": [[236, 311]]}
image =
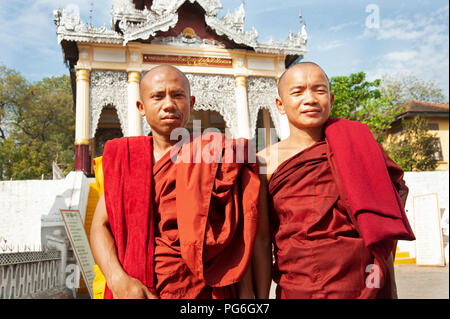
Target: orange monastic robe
{"points": [[173, 277], [201, 216], [319, 252]]}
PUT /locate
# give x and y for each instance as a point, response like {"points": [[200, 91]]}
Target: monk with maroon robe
{"points": [[336, 199], [172, 226]]}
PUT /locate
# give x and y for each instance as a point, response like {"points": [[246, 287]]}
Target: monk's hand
{"points": [[126, 287]]}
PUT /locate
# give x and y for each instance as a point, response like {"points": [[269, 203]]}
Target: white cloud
{"points": [[29, 33], [424, 43], [408, 29], [264, 6], [330, 46], [342, 26], [401, 56]]}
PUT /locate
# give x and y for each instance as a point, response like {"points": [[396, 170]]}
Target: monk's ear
{"points": [[331, 100], [140, 107], [280, 105], [192, 102]]}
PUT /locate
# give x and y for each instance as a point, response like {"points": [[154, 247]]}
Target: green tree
{"points": [[13, 88], [361, 100], [40, 128], [414, 148]]}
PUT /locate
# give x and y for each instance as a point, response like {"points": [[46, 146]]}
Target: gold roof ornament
{"points": [[189, 33]]}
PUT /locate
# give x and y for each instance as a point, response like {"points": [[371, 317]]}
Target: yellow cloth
{"points": [[99, 283], [98, 286], [99, 173]]}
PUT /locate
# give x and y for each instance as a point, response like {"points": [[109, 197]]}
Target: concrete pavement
{"points": [[414, 282]]}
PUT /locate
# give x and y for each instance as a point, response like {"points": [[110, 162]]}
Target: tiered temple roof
{"points": [[147, 21]]}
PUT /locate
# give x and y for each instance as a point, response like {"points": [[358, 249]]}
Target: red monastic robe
{"points": [[186, 229], [320, 248]]}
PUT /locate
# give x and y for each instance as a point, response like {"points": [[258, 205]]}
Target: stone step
{"points": [[403, 258], [403, 254], [405, 261]]}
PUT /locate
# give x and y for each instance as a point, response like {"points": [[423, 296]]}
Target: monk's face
{"points": [[166, 101], [305, 97]]}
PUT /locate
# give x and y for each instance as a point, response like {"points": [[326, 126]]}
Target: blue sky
{"points": [[344, 36]]}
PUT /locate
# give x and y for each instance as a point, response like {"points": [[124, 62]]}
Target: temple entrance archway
{"points": [[208, 119], [265, 133], [108, 128]]}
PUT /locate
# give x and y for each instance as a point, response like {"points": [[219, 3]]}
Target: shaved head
{"points": [[166, 100], [281, 82], [305, 98], [158, 70]]}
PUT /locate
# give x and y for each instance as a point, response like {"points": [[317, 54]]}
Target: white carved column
{"points": [[134, 119], [82, 162], [243, 119], [82, 107]]}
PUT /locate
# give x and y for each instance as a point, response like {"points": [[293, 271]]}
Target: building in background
{"points": [[437, 117], [233, 76]]}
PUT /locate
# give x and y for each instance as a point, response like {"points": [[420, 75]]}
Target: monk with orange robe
{"points": [[170, 225], [336, 199]]}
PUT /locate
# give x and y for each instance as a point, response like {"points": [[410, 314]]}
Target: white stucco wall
{"points": [[23, 203], [422, 183]]}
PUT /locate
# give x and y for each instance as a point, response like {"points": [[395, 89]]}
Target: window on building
{"points": [[438, 155], [397, 129], [433, 126]]}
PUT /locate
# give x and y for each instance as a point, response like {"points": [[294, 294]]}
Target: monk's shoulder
{"points": [[113, 147], [118, 149], [270, 157], [266, 155]]}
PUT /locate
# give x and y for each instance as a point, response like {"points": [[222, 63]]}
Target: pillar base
{"points": [[82, 159]]}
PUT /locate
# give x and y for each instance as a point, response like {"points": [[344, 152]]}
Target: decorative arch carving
{"points": [[262, 92], [108, 88], [216, 93]]}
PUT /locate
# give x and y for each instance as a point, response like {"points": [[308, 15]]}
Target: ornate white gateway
{"points": [[231, 73]]}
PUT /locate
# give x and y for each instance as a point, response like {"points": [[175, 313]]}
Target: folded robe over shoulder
{"points": [[216, 242], [370, 194]]}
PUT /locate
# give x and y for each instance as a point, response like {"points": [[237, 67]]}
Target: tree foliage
{"points": [[13, 88], [361, 100], [37, 126], [404, 88], [415, 147]]}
